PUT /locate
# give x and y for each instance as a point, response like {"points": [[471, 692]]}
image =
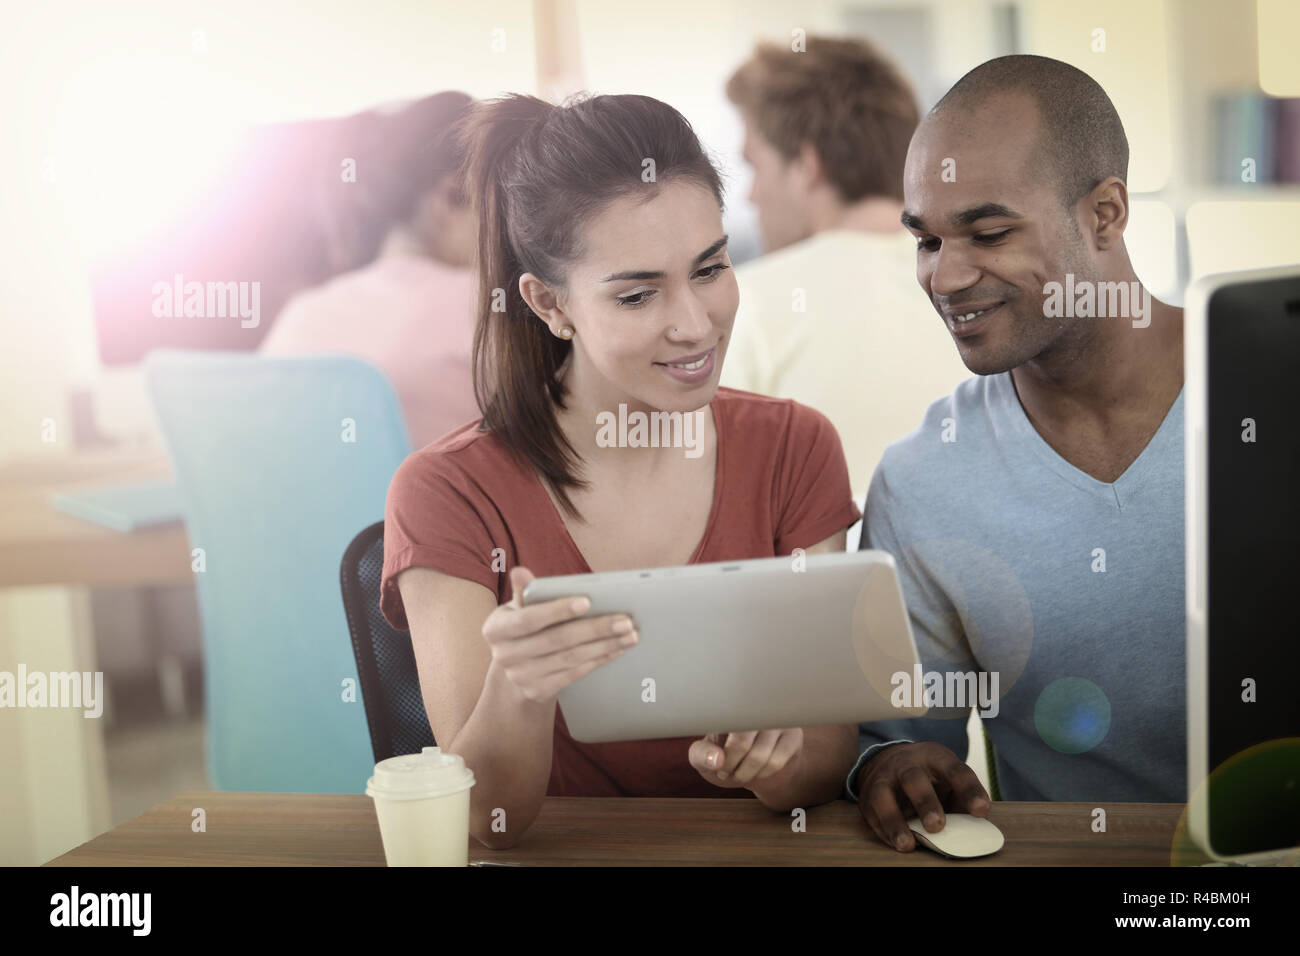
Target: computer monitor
{"points": [[1242, 348], [257, 220]]}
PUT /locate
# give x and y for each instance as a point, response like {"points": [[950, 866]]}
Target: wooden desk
{"points": [[259, 829], [48, 563], [39, 545]]}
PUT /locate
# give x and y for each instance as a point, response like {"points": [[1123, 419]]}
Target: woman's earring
{"points": [[566, 332]]}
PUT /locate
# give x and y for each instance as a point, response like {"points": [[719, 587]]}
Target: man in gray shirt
{"points": [[1037, 513]]}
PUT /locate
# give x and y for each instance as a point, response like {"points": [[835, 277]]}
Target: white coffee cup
{"points": [[422, 801]]}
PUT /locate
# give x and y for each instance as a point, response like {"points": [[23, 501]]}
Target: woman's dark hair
{"points": [[537, 173], [401, 154]]}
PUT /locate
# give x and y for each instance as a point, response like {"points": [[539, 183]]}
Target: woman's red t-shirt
{"points": [[781, 483]]}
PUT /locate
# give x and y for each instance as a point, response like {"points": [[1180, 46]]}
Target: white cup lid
{"points": [[430, 773]]}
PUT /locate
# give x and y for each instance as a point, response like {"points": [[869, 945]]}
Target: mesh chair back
{"points": [[390, 684]]}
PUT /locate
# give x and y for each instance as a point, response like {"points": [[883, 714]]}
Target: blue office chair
{"points": [[279, 461]]}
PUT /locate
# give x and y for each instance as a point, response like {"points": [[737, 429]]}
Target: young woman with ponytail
{"points": [[603, 268]]}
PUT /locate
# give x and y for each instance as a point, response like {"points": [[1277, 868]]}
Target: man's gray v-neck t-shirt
{"points": [[1015, 562]]}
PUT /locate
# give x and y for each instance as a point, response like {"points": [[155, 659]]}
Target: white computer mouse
{"points": [[963, 836]]}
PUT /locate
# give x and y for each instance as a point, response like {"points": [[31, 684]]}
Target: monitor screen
{"points": [[1253, 543]]}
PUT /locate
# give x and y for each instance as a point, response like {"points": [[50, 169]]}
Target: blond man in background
{"points": [[832, 316]]}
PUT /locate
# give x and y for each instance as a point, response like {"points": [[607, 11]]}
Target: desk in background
{"points": [[54, 791]]}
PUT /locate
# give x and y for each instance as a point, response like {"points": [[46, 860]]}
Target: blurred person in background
{"points": [[834, 302], [402, 234]]}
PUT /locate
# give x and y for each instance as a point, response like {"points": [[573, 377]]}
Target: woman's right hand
{"points": [[543, 648]]}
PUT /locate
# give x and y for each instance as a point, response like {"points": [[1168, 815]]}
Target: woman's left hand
{"points": [[745, 759]]}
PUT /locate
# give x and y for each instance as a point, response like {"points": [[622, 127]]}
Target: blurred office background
{"points": [[152, 126]]}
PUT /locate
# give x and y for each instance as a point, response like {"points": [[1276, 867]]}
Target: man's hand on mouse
{"points": [[745, 759], [925, 778]]}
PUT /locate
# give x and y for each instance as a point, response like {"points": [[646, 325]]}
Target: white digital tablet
{"points": [[795, 641]]}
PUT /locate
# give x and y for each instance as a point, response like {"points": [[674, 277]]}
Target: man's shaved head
{"points": [[1013, 181], [1081, 139]]}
